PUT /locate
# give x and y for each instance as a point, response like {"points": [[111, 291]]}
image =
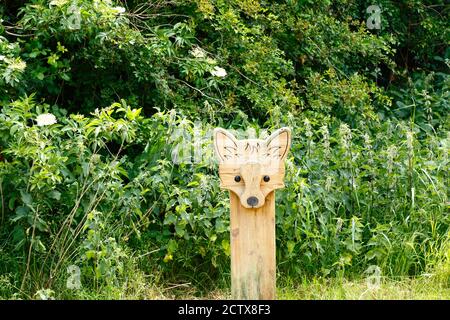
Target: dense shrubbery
{"points": [[108, 188]]}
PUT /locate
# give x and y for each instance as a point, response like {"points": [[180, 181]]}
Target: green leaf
{"points": [[21, 212], [54, 194], [170, 218], [26, 197], [290, 246], [65, 76], [90, 254], [13, 129], [172, 246], [226, 247], [180, 229], [40, 76]]}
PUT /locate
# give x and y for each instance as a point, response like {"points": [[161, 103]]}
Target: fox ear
{"points": [[225, 144], [278, 143]]}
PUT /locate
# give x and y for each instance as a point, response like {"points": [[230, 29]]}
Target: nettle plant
{"points": [[375, 195]]}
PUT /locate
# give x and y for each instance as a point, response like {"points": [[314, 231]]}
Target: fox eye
{"points": [[237, 178], [266, 178]]}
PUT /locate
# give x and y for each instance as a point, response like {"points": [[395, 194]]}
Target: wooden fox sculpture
{"points": [[252, 168]]}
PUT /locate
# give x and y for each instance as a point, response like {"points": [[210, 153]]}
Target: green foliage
{"points": [[11, 65], [357, 198], [425, 100], [124, 185]]}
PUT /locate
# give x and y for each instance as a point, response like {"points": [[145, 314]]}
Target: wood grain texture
{"points": [[252, 170], [252, 232], [252, 160]]}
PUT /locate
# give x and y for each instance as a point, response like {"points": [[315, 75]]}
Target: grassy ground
{"points": [[320, 289], [421, 288], [403, 289], [317, 289], [141, 287]]}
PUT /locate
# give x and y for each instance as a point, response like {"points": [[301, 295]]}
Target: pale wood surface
{"points": [[252, 233], [251, 170], [252, 159]]}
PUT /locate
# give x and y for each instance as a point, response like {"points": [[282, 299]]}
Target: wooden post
{"points": [[252, 169]]}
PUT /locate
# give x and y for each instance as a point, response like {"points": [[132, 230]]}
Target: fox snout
{"points": [[252, 176], [252, 201]]}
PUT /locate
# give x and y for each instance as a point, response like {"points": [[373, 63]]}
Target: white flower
{"points": [[198, 52], [16, 64], [45, 119], [119, 10], [346, 135], [308, 128], [219, 72]]}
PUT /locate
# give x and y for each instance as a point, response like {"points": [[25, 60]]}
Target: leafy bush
{"points": [[106, 168], [358, 198]]}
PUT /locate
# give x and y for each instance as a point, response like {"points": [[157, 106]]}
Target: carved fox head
{"points": [[252, 168]]}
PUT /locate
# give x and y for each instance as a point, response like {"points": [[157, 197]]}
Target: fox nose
{"points": [[252, 201]]}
